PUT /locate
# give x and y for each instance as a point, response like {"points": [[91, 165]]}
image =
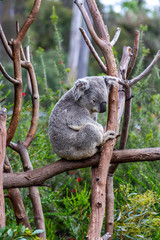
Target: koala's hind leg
{"points": [[88, 139]]}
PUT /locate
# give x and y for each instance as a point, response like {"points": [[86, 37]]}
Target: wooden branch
{"points": [[38, 176], [21, 34], [16, 45], [116, 36], [126, 120], [5, 42], [3, 132], [33, 191], [122, 71], [28, 76], [35, 102], [93, 51], [99, 174], [134, 56], [17, 202], [146, 71], [88, 22], [9, 78], [21, 48]]}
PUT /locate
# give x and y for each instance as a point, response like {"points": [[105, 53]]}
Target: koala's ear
{"points": [[110, 81], [80, 86]]}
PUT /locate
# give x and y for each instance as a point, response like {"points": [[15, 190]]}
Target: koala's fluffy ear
{"points": [[80, 86], [110, 81]]}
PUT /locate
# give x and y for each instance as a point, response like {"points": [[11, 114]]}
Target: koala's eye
{"points": [[94, 100]]}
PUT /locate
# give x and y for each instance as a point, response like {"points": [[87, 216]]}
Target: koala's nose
{"points": [[103, 107]]}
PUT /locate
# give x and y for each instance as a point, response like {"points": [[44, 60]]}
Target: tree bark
{"points": [[37, 177], [2, 156], [16, 200]]}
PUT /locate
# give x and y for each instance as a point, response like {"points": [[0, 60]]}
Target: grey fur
{"points": [[73, 130]]}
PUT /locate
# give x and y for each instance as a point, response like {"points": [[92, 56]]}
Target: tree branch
{"points": [[16, 45], [116, 36], [134, 56], [38, 176], [146, 71], [35, 102], [93, 51], [29, 21], [17, 202], [122, 71], [3, 118], [28, 77], [88, 22], [9, 78], [5, 42]]}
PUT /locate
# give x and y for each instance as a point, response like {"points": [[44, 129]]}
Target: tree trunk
{"points": [[2, 156]]}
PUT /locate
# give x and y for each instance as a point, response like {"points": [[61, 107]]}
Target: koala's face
{"points": [[94, 96]]}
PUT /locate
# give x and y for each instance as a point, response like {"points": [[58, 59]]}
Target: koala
{"points": [[73, 128]]}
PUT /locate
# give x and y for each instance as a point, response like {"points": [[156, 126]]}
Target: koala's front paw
{"points": [[108, 135]]}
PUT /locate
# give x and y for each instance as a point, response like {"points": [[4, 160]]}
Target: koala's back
{"points": [[61, 136]]}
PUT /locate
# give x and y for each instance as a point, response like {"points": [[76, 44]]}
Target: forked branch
{"points": [[88, 22]]}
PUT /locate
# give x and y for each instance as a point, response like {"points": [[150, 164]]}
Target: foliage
{"points": [[69, 213], [138, 215], [18, 233]]}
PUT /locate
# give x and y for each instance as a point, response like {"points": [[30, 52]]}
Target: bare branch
{"points": [[88, 22], [35, 102], [28, 77], [93, 51], [3, 132], [38, 176], [6, 75], [5, 42], [22, 51], [122, 71], [29, 20], [16, 44], [126, 120], [16, 200], [134, 56], [116, 36], [146, 71]]}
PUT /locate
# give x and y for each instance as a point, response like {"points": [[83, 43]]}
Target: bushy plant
{"points": [[18, 233], [137, 215], [69, 213]]}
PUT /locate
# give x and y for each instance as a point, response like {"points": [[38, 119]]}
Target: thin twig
{"points": [[146, 71], [22, 51], [116, 36], [28, 76], [6, 75], [93, 51], [5, 42], [3, 100], [134, 56]]}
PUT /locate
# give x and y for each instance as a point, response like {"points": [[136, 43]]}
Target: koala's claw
{"points": [[108, 135]]}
